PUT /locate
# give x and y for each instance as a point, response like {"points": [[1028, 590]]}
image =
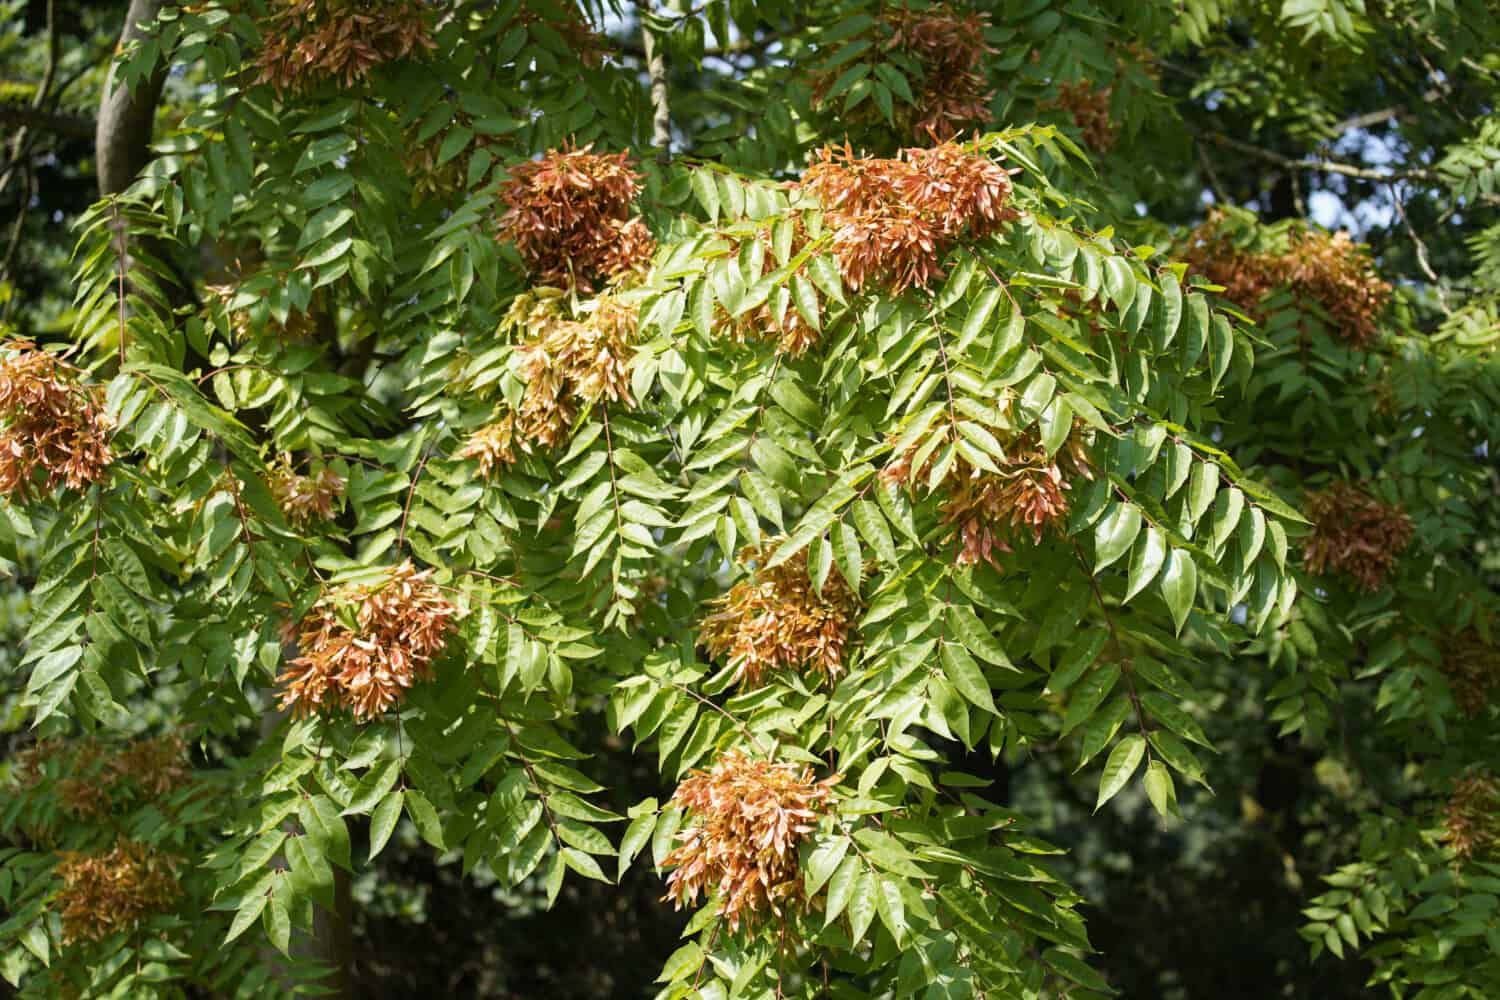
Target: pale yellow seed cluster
{"points": [[364, 646], [745, 819], [775, 620]]}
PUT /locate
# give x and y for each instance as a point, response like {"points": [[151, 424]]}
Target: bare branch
{"points": [[1423, 260], [1317, 166], [26, 117]]}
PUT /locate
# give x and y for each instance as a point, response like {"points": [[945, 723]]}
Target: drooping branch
{"points": [[122, 137]]}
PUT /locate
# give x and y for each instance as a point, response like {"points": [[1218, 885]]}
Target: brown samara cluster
{"points": [[1330, 269], [363, 645], [745, 820], [1089, 108], [894, 220], [1472, 665], [1471, 821], [988, 510], [1355, 534], [308, 42], [91, 777], [775, 620], [567, 364], [305, 498], [948, 44], [53, 424], [571, 216], [105, 893]]}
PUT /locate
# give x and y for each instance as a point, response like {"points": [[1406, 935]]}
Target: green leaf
{"points": [[1089, 695], [383, 822], [822, 862], [966, 677], [805, 296], [841, 887], [425, 818], [320, 818], [872, 527], [762, 496], [976, 636], [1176, 753], [1169, 316], [707, 193], [248, 911], [372, 788], [1227, 509], [1160, 790], [1146, 561], [892, 909], [847, 554], [682, 963], [979, 315], [35, 940], [1055, 423], [1115, 533], [278, 920], [1203, 486], [1179, 585], [636, 835], [862, 904], [1122, 764]]}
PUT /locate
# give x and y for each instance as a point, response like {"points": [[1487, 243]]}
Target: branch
{"points": [[19, 144], [122, 138], [661, 112], [24, 117], [1423, 260], [1316, 166]]}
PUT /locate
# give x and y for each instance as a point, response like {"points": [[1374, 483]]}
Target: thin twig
{"points": [[1423, 261]]}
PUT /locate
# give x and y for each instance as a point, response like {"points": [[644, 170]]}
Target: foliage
{"points": [[899, 427]]}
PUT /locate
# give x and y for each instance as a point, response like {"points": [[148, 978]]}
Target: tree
{"points": [[919, 432]]}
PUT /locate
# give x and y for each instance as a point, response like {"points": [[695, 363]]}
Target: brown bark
{"points": [[122, 136]]}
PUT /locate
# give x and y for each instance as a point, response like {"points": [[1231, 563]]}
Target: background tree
{"points": [[841, 451]]}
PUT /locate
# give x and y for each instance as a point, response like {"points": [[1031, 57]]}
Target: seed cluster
{"points": [[745, 820], [947, 47], [305, 498], [570, 216], [52, 424], [1328, 268], [92, 778], [1472, 665], [363, 645], [1089, 109], [1355, 534], [105, 893], [308, 42], [1471, 821], [775, 620], [985, 510], [894, 220], [567, 364]]}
